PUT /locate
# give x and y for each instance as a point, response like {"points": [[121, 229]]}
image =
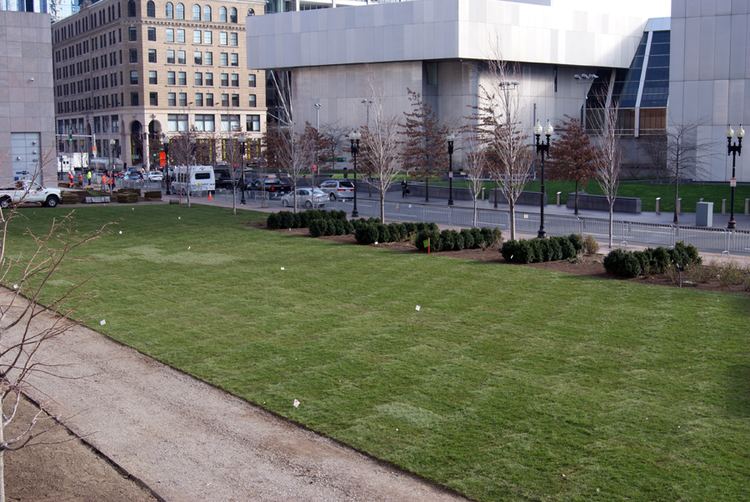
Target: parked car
{"points": [[306, 197], [338, 189], [155, 176], [223, 174], [29, 192], [274, 185]]}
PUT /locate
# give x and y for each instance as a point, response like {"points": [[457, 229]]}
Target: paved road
{"points": [[189, 441]]}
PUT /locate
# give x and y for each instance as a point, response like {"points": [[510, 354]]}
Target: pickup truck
{"points": [[29, 192]]}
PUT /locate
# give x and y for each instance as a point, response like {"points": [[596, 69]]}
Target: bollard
{"points": [[558, 198], [747, 206], [658, 203], [723, 206], [482, 193], [679, 205]]}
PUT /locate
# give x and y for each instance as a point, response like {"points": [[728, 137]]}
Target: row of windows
{"points": [[200, 99], [200, 37], [172, 11], [82, 24], [100, 41], [101, 124], [88, 104], [178, 122]]}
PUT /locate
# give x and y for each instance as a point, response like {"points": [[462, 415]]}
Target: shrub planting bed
{"points": [[628, 264], [288, 219], [542, 250], [451, 240]]}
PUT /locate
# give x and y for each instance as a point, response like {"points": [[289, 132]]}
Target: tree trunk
{"points": [[611, 223], [427, 189], [294, 192], [512, 214], [575, 201], [676, 219], [2, 455], [382, 205], [474, 216]]}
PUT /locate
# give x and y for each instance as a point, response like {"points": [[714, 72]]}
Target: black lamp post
{"points": [[542, 148], [733, 149], [354, 137], [451, 139]]}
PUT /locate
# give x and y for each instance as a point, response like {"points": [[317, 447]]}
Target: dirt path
{"points": [[189, 441]]}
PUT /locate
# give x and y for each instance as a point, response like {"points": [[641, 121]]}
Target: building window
{"points": [[198, 99], [232, 15], [132, 34], [222, 14], [209, 58], [210, 99], [235, 100], [152, 34], [196, 12], [205, 123], [207, 13], [133, 77], [252, 101], [207, 37], [197, 36], [225, 100], [172, 99], [171, 78], [169, 10], [209, 78], [198, 78], [253, 123], [153, 77], [222, 38], [251, 80], [181, 57], [115, 120], [150, 9], [233, 39], [133, 99], [170, 56], [179, 12], [177, 122], [180, 36], [170, 35], [152, 55], [235, 80], [230, 123], [181, 78], [182, 99], [223, 59], [153, 98], [224, 82], [131, 8], [234, 59], [133, 55], [198, 58]]}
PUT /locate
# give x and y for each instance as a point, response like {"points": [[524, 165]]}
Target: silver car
{"points": [[338, 189], [306, 197]]}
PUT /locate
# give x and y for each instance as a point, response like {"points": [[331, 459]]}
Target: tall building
{"points": [[38, 6], [27, 136], [133, 73]]}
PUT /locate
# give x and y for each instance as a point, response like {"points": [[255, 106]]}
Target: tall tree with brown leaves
{"points": [[572, 156], [423, 143]]}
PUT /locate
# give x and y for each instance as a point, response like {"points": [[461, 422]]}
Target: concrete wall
{"points": [[26, 91], [710, 76]]}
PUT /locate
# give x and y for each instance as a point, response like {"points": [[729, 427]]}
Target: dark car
{"points": [[273, 185], [223, 176]]}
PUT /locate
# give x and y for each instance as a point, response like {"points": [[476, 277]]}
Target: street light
{"points": [[451, 138], [354, 137], [112, 144], [243, 151], [542, 149], [317, 106], [733, 149], [585, 78]]}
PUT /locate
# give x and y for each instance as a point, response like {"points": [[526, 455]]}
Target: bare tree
{"points": [[507, 147], [608, 160], [572, 156], [331, 145], [423, 141], [380, 151], [23, 333], [182, 150], [234, 155], [475, 167]]}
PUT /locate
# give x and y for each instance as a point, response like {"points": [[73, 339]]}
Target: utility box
{"points": [[704, 214]]}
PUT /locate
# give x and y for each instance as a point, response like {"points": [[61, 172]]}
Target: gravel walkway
{"points": [[189, 441]]}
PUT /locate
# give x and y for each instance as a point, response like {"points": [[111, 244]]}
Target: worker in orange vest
{"points": [[70, 179], [104, 180]]}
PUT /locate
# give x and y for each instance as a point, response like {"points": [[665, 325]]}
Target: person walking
{"points": [[88, 177], [70, 179], [404, 189]]}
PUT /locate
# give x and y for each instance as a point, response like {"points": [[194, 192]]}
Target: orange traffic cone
{"points": [[210, 197]]}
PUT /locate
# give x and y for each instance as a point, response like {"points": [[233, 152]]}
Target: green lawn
{"points": [[510, 382]]}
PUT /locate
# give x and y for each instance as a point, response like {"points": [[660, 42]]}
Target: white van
{"points": [[202, 179]]}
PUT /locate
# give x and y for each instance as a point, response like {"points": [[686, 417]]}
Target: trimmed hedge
{"points": [[370, 231], [287, 219], [629, 264], [542, 250], [450, 240], [330, 226]]}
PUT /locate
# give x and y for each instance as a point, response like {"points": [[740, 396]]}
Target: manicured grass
{"points": [[510, 382], [690, 193]]}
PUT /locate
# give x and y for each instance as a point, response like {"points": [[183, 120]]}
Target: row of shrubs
{"points": [[288, 219], [451, 240], [370, 231], [628, 264], [541, 250]]}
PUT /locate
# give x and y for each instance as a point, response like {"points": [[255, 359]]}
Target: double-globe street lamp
{"points": [[733, 149], [542, 148], [354, 137], [451, 139]]}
